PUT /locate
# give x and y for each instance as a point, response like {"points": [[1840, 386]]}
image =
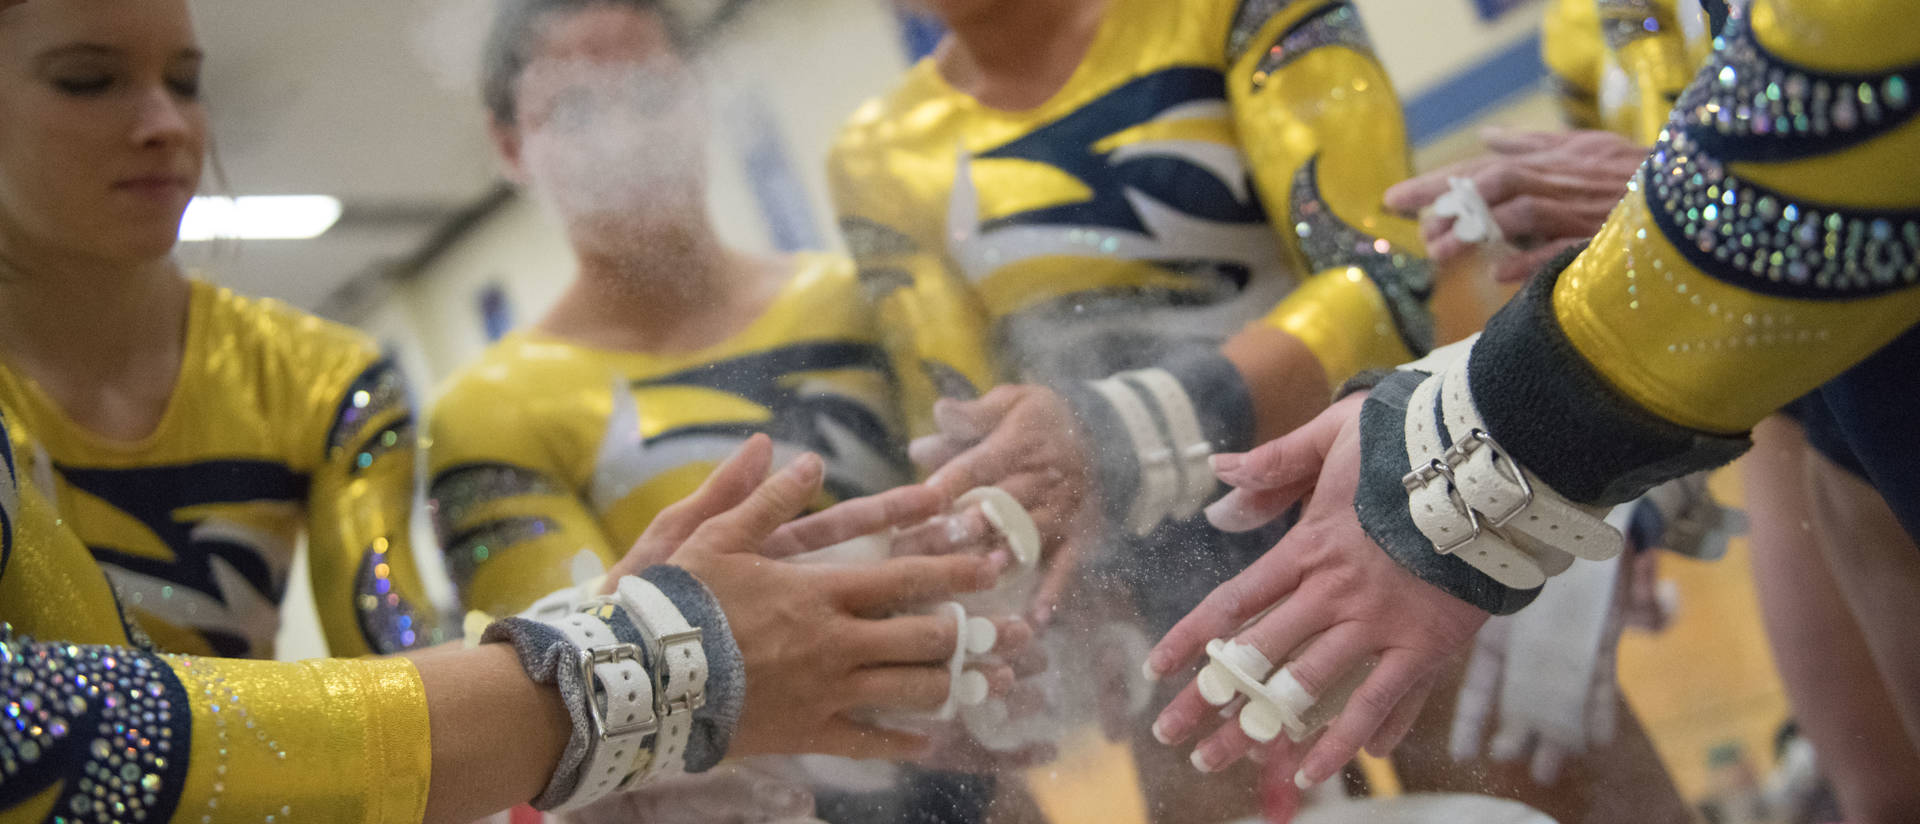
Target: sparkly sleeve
{"points": [[510, 526], [1325, 136], [1773, 238], [112, 734], [931, 323], [365, 583]]}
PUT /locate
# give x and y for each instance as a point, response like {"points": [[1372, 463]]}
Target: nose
{"points": [[163, 120]]}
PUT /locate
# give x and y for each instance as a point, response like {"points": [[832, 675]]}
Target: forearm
{"points": [[496, 734], [1286, 381], [1342, 323]]}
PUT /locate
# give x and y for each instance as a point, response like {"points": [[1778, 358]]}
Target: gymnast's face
{"points": [[610, 124], [102, 133]]}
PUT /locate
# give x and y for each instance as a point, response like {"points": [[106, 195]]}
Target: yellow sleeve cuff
{"points": [[1343, 320], [330, 740]]}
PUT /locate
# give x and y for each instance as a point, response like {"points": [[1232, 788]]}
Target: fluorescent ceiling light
{"points": [[280, 217]]}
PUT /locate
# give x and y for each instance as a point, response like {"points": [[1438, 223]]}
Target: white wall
{"points": [[1424, 42]]}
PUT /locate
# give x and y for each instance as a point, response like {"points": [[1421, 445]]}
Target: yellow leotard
{"points": [[1773, 239], [280, 424], [1206, 161], [96, 727], [545, 448]]}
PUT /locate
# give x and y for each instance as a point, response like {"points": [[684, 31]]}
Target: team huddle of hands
{"points": [[829, 645]]}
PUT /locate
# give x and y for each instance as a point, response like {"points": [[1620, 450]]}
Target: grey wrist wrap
{"points": [[548, 657]]}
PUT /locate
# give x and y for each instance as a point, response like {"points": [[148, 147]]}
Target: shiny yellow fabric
{"points": [[329, 740], [1620, 63], [968, 221], [333, 740], [1694, 346], [1575, 55], [325, 741], [1328, 308], [544, 448], [197, 523], [50, 586], [1334, 104]]}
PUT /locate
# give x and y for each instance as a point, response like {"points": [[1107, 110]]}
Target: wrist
{"points": [[726, 688], [1484, 528], [632, 674], [1151, 432]]}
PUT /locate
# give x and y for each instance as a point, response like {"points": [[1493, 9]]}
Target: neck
{"points": [[63, 313], [1018, 50], [660, 289]]}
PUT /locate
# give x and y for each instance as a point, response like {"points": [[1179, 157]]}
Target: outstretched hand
{"points": [[1346, 602], [1548, 191], [819, 654]]}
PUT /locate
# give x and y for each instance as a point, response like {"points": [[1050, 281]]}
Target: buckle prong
{"points": [[612, 653], [1504, 464]]}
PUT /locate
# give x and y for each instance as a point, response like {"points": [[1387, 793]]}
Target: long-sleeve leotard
{"points": [[279, 424], [95, 726], [1208, 165]]}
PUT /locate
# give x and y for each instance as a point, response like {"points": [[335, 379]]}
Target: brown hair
{"points": [[516, 28]]}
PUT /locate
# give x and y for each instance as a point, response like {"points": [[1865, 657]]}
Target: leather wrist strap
{"points": [[679, 673], [619, 700], [1187, 441], [1472, 500], [1159, 487]]}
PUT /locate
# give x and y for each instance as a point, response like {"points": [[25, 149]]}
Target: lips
{"points": [[156, 186]]}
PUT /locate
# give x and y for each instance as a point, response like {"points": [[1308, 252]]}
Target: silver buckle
{"points": [[1478, 438], [607, 655], [1438, 469], [676, 706]]}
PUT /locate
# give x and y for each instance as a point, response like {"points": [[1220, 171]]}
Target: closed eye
{"points": [[84, 86]]}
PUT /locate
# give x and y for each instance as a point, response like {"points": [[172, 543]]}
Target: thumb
{"points": [[1289, 464], [1244, 511], [1409, 196], [934, 451], [729, 484], [782, 498]]}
